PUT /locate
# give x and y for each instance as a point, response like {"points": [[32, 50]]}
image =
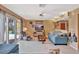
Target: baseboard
{"points": [[60, 44]]}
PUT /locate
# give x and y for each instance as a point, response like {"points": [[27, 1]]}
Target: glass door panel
{"points": [[12, 30], [18, 29]]}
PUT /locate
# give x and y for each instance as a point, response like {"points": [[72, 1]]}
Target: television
{"points": [[39, 27]]}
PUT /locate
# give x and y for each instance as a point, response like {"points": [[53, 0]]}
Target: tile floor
{"points": [[36, 47]]}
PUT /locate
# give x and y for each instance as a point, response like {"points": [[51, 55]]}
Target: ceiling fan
{"points": [[42, 5], [42, 13]]}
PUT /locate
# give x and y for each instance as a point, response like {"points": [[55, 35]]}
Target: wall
{"points": [[48, 25], [27, 25], [73, 24]]}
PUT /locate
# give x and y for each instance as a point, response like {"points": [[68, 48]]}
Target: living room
{"points": [[61, 26], [36, 33]]}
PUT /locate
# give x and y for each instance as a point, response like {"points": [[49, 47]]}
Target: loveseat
{"points": [[58, 38], [8, 48]]}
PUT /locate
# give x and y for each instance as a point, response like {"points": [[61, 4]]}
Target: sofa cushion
{"points": [[7, 48]]}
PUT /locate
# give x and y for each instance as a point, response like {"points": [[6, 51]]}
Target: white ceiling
{"points": [[32, 11]]}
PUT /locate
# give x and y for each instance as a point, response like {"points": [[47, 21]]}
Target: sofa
{"points": [[58, 38], [9, 48]]}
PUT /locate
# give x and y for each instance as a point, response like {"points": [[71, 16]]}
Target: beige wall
{"points": [[27, 25], [73, 24], [48, 26]]}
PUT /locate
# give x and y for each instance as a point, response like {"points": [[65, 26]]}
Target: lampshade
{"points": [[24, 29]]}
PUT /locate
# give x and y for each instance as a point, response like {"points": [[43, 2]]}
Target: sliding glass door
{"points": [[2, 21], [18, 29], [10, 29]]}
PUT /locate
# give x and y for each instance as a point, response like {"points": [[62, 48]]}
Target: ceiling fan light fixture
{"points": [[42, 14], [42, 5]]}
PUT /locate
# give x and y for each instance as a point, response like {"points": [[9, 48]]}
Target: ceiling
{"points": [[33, 11]]}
